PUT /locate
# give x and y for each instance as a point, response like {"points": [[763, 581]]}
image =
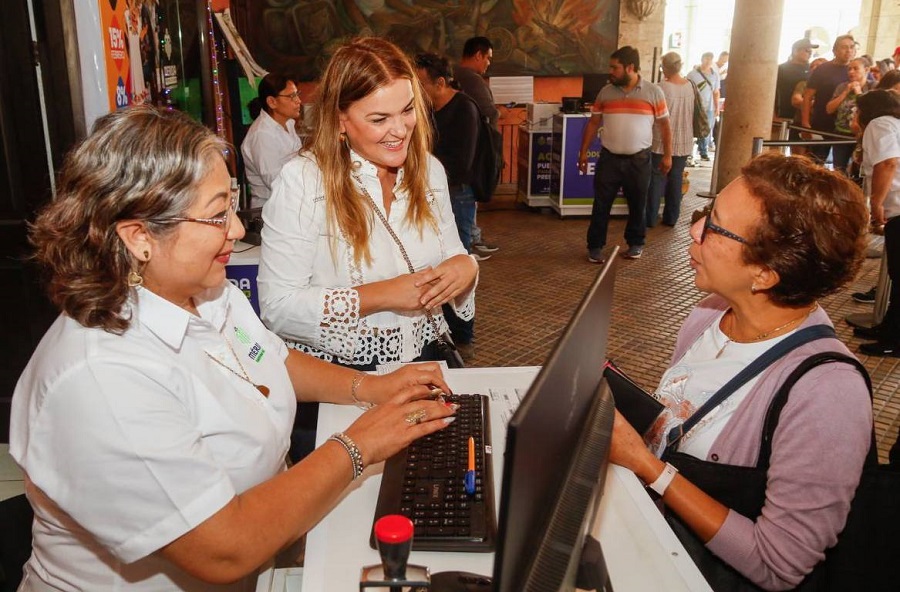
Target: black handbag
{"points": [[444, 348], [865, 556]]}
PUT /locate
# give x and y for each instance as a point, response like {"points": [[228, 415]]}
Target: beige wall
{"points": [[644, 35], [879, 30]]}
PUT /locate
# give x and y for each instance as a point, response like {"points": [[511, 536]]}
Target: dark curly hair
{"points": [[137, 164], [877, 103], [813, 231]]}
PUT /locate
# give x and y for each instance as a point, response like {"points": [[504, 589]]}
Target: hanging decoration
{"points": [[643, 8], [252, 70], [218, 98]]}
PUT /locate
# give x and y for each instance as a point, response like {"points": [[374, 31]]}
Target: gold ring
{"points": [[414, 417]]}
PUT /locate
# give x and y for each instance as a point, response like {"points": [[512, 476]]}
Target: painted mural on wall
{"points": [[530, 37]]}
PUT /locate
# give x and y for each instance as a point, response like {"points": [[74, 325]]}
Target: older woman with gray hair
{"points": [[679, 92], [153, 419]]}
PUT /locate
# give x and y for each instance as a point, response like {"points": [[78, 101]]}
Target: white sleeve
{"points": [[881, 141], [266, 152], [120, 454], [294, 229]]}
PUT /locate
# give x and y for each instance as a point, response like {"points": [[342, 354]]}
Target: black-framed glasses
{"points": [[222, 221], [292, 96], [708, 226]]}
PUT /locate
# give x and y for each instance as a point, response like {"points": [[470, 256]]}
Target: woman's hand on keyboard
{"points": [[379, 389], [390, 427]]}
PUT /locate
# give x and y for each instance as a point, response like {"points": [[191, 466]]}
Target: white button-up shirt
{"points": [[266, 147], [130, 441], [306, 290]]}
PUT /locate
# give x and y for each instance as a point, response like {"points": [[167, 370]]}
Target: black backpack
{"points": [[488, 158]]}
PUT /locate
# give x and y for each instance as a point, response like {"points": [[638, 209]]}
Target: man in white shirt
{"points": [[706, 78], [272, 140]]}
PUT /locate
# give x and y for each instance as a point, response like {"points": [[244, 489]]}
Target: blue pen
{"points": [[470, 474]]}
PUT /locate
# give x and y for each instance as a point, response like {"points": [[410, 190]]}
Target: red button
{"points": [[394, 528]]}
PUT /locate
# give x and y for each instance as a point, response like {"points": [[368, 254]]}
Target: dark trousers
{"points": [[841, 155], [668, 185], [303, 436], [632, 174], [461, 331], [891, 320]]}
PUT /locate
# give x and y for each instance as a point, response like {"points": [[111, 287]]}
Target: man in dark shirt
{"points": [[820, 88], [456, 121], [790, 73], [478, 52]]}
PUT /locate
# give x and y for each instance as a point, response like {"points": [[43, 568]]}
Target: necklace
{"points": [[764, 334], [263, 389]]}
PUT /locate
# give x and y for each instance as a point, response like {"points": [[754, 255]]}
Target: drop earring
{"points": [[135, 278]]}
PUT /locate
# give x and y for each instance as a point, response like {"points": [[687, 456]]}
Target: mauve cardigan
{"points": [[818, 452]]}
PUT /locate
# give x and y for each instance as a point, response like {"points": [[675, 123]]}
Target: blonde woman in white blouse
{"points": [[333, 281]]}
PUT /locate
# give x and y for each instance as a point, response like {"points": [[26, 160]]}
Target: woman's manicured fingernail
{"points": [[453, 406], [449, 420]]}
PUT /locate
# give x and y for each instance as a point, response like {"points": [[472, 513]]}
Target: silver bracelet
{"points": [[357, 380], [352, 449]]}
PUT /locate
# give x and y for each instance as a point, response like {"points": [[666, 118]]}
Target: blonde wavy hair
{"points": [[137, 164], [356, 70]]}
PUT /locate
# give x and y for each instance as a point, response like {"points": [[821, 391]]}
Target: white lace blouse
{"points": [[306, 291]]}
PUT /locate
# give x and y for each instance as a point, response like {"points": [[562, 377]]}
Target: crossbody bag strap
{"points": [[403, 252], [705, 78], [781, 397], [768, 357]]}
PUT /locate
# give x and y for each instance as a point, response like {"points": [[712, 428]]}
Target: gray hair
{"points": [[136, 164]]}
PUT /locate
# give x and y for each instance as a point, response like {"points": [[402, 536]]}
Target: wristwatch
{"points": [[664, 480]]}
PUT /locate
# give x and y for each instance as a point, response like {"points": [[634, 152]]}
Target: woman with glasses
{"points": [[777, 239], [153, 419], [272, 139]]}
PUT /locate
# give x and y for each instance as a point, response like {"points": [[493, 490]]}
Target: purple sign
{"points": [[541, 143], [575, 185], [244, 277]]}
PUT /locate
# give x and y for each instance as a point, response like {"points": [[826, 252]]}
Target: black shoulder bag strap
{"points": [[781, 397], [705, 78], [771, 355]]}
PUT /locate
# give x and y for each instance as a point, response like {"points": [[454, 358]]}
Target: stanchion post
{"points": [[714, 178], [757, 146], [783, 135]]}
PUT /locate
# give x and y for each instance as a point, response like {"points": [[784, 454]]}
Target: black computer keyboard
{"points": [[425, 482]]}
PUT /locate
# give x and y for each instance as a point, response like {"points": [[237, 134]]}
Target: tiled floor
{"points": [[529, 288]]}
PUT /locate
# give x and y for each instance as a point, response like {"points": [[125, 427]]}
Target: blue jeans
{"points": [[632, 174], [462, 200], [668, 185]]}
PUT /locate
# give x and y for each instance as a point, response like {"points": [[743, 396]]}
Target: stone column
{"points": [[752, 70]]}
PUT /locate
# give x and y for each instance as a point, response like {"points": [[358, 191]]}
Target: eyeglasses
{"points": [[708, 226], [294, 96], [222, 221]]}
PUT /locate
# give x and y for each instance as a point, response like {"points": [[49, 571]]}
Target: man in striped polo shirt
{"points": [[625, 112]]}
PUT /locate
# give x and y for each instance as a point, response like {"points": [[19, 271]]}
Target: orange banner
{"points": [[128, 28]]}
